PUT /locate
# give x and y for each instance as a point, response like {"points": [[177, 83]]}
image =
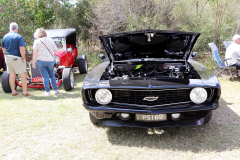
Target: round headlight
{"points": [[103, 96], [198, 95]]}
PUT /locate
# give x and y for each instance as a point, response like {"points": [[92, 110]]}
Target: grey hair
{"points": [[13, 26]]}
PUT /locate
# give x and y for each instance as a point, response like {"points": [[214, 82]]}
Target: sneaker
{"points": [[46, 93], [15, 94], [56, 92], [27, 95]]}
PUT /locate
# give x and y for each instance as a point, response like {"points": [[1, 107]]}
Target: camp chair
{"points": [[227, 43], [220, 62]]}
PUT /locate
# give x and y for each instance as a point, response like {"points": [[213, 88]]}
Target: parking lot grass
{"points": [[58, 127]]}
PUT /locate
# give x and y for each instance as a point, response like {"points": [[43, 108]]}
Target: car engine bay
{"points": [[149, 70]]}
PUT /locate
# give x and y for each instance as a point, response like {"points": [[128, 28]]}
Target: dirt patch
{"points": [[227, 74]]}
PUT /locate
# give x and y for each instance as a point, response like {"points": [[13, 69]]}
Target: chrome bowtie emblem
{"points": [[150, 98]]}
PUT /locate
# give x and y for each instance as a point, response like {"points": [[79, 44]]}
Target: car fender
{"points": [[60, 53], [207, 75], [81, 57], [93, 77], [1, 58], [65, 59]]}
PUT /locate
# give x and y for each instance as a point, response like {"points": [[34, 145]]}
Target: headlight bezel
{"points": [[98, 98], [196, 92]]}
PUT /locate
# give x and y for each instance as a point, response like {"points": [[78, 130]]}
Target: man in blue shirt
{"points": [[13, 47]]}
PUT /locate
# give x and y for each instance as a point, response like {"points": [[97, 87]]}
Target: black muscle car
{"points": [[149, 79]]}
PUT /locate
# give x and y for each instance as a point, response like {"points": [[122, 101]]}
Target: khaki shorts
{"points": [[15, 64]]}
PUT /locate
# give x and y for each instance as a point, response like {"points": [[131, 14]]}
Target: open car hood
{"points": [[149, 43]]}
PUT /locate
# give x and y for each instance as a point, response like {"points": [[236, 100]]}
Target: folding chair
{"points": [[220, 62], [227, 43]]}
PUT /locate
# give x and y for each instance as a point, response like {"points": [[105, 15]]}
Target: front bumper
{"points": [[37, 85], [168, 123], [191, 116]]}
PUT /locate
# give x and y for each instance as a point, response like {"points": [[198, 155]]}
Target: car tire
{"points": [[208, 117], [4, 66], [68, 79], [83, 66], [5, 82], [93, 119]]}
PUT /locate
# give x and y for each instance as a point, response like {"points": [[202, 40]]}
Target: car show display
{"points": [[149, 78], [66, 62]]}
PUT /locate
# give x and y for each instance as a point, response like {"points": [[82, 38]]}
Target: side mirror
{"points": [[102, 56], [69, 50], [194, 54]]}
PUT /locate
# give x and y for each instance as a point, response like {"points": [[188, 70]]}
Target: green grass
{"points": [[58, 127]]}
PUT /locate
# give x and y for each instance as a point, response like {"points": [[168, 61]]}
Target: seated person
{"points": [[233, 52]]}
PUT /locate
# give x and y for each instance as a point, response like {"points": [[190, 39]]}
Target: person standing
{"points": [[13, 47], [233, 53], [43, 56]]}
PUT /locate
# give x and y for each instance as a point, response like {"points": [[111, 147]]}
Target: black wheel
{"points": [[4, 65], [5, 82], [93, 119], [68, 79], [83, 66], [208, 117]]}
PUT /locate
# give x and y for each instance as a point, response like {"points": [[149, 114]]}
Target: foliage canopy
{"points": [[214, 19]]}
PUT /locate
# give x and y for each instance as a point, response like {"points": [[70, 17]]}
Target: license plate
{"points": [[37, 80], [151, 118]]}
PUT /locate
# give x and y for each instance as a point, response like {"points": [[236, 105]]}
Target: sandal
{"points": [[14, 94], [27, 95]]}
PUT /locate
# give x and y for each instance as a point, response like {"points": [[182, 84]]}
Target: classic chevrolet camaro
{"points": [[149, 79]]}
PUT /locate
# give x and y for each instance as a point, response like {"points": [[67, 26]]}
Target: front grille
{"points": [[34, 72], [151, 97]]}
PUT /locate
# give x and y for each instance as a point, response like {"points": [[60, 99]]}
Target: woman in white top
{"points": [[43, 56]]}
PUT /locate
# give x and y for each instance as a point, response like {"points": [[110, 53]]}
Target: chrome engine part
{"points": [[149, 71]]}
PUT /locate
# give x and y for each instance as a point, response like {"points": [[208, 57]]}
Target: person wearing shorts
{"points": [[13, 47]]}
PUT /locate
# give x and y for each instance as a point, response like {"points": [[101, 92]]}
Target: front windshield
{"points": [[61, 43]]}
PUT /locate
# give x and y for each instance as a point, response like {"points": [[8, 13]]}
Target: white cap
{"points": [[235, 37]]}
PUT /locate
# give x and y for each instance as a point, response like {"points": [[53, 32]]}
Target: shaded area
{"points": [[220, 134]]}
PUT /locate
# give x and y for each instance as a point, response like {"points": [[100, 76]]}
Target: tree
{"points": [[41, 13]]}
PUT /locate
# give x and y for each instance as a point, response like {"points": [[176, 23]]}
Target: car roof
{"points": [[57, 33]]}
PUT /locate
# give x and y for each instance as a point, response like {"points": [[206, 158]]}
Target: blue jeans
{"points": [[47, 71]]}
